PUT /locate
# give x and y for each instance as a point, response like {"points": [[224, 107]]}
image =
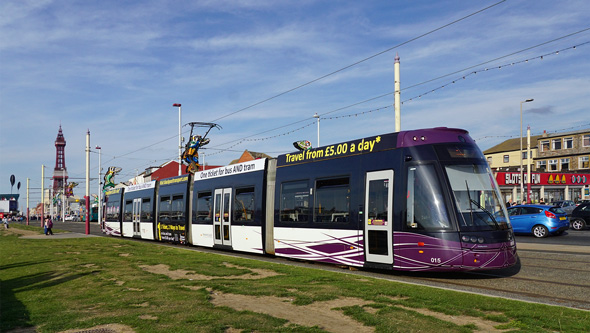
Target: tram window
{"points": [[128, 212], [332, 200], [244, 204], [378, 201], [204, 202], [378, 242], [164, 209], [177, 208], [146, 210], [425, 205], [112, 211], [294, 202]]}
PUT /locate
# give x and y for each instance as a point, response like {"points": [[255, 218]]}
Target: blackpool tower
{"points": [[60, 173]]}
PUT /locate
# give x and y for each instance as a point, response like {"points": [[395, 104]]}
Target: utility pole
{"points": [[99, 193], [397, 95], [27, 201], [87, 196], [42, 194], [178, 105]]}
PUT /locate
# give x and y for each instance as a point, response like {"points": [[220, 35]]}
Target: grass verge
{"points": [[55, 285]]}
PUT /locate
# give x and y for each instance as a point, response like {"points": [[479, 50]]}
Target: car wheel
{"points": [[578, 224], [540, 231]]}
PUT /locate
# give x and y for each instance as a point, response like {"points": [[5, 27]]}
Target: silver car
{"points": [[567, 205]]}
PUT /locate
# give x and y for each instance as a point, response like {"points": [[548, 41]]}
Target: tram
{"points": [[420, 200]]}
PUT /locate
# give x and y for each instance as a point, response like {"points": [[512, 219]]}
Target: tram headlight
{"points": [[472, 239]]}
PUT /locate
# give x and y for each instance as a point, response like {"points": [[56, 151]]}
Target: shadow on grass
{"points": [[14, 313], [21, 264]]}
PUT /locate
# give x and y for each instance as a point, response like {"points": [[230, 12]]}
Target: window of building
{"points": [[565, 164], [552, 165], [244, 204], [556, 143], [489, 160], [545, 145], [524, 155], [584, 162], [586, 140], [332, 200], [294, 202], [568, 143], [506, 158], [541, 165]]}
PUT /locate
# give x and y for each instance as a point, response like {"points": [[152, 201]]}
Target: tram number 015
{"points": [[435, 260]]}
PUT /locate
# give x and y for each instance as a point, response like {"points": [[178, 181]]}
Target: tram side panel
{"points": [[112, 211], [172, 209], [318, 199], [139, 211], [227, 210]]}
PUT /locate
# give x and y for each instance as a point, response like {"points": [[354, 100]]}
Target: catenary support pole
{"points": [[87, 196]]}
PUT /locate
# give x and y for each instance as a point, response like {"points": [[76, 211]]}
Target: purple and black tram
{"points": [[420, 200]]}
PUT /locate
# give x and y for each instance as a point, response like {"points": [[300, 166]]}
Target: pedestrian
{"points": [[5, 222], [45, 221], [49, 226], [541, 202]]}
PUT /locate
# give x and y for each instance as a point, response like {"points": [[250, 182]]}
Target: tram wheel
{"points": [[540, 231], [578, 224]]}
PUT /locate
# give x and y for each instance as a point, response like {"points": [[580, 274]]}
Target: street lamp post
{"points": [[64, 198], [99, 193], [178, 105], [42, 194], [318, 121], [521, 173]]}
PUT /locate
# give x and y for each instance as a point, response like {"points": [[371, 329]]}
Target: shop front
{"points": [[544, 185]]}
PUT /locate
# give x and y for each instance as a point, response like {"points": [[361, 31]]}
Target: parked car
{"points": [[567, 205], [580, 218], [71, 218], [539, 220]]}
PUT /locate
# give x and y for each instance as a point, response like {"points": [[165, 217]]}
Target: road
{"points": [[551, 270]]}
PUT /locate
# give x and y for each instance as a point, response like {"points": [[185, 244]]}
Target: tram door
{"points": [[378, 218], [222, 221], [136, 217]]}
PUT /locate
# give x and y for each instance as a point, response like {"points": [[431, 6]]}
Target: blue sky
{"points": [[116, 67]]}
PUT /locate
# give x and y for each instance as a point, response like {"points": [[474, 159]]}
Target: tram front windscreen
{"points": [[477, 198]]}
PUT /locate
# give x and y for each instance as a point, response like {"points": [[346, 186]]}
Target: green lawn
{"points": [[60, 284]]}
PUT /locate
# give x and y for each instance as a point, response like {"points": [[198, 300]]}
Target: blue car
{"points": [[540, 220]]}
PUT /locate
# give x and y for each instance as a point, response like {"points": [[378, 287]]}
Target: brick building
{"points": [[559, 164]]}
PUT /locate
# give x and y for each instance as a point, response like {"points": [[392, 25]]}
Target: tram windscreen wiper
{"points": [[470, 201], [480, 207], [487, 212]]}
